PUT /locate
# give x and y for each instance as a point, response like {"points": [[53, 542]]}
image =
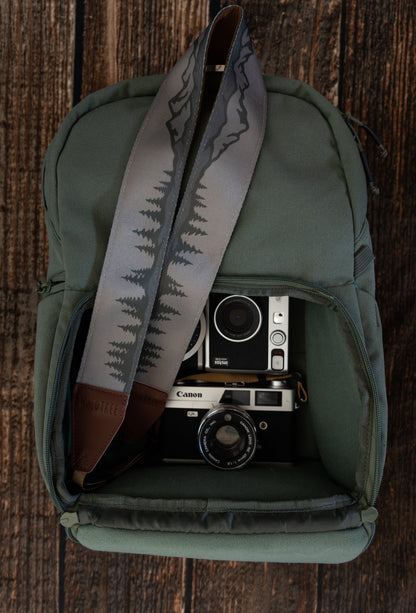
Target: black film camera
{"points": [[228, 425]]}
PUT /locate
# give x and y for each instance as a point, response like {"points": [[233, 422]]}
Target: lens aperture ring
{"points": [[227, 437]]}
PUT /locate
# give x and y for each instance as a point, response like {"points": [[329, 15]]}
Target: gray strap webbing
{"points": [[161, 259]]}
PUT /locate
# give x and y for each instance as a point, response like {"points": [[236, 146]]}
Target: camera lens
{"points": [[237, 318], [227, 437]]}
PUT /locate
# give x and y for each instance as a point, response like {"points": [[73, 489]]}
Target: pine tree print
{"points": [[181, 254], [186, 245], [122, 353]]}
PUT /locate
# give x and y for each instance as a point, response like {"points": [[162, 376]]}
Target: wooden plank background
{"points": [[361, 55]]}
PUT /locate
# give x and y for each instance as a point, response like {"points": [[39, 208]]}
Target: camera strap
{"points": [[178, 204]]}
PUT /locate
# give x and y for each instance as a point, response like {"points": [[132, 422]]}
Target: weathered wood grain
{"points": [[36, 93], [36, 56], [131, 39], [105, 582], [299, 40], [379, 88], [371, 46], [232, 587], [28, 526]]}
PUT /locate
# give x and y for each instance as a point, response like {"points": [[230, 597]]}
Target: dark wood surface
{"points": [[360, 54]]}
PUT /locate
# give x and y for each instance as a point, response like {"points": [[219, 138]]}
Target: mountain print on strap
{"points": [[215, 192], [147, 261]]}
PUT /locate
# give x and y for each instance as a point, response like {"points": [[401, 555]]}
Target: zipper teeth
{"points": [[283, 284], [59, 364]]}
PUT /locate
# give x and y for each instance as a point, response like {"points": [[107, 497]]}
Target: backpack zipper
{"points": [[254, 284], [51, 417], [350, 120], [51, 286]]}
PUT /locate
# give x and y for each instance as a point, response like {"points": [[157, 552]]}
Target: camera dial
{"points": [[227, 437], [237, 318]]}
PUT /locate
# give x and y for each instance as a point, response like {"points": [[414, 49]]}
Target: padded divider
{"points": [[323, 547], [334, 398], [187, 485]]}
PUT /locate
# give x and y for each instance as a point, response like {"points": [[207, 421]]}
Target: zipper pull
{"points": [[47, 287], [383, 153], [350, 121], [43, 287], [69, 520]]}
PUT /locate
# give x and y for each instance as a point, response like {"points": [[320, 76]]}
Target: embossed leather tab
{"points": [[97, 415], [145, 406]]}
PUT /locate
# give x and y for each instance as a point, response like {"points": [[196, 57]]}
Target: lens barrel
{"points": [[227, 437], [237, 318]]}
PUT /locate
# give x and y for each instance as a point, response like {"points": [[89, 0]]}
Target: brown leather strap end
{"points": [[145, 406], [78, 477], [97, 415]]}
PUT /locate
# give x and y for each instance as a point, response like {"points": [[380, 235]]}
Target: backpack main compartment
{"points": [[303, 233]]}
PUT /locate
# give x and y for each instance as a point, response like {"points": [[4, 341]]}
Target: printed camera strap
{"points": [[166, 246]]}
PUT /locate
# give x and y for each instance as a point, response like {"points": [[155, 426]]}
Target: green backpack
{"points": [[301, 233]]}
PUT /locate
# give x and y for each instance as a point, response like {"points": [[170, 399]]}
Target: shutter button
{"points": [[278, 337]]}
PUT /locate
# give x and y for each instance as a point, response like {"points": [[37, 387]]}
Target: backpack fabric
{"points": [[302, 233]]}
